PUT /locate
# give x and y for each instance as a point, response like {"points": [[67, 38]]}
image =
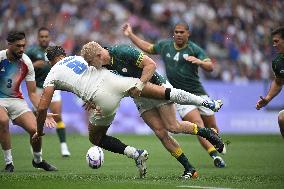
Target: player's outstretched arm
{"points": [[275, 88], [143, 45], [44, 103]]}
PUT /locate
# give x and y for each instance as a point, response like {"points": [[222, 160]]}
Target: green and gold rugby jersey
{"points": [[181, 73], [37, 53], [125, 60], [278, 66]]}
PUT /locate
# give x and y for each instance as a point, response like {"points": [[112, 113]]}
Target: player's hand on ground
{"points": [[134, 92], [127, 30], [193, 60], [261, 103], [49, 121]]}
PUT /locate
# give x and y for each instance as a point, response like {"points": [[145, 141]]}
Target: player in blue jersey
{"points": [[278, 69], [15, 66]]}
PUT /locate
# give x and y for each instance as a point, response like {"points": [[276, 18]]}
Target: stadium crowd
{"points": [[235, 35]]}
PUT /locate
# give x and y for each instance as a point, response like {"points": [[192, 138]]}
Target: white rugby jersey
{"points": [[74, 75]]}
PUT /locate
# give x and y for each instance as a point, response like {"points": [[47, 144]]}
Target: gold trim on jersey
{"points": [[207, 60], [111, 62], [177, 48], [140, 59], [151, 49]]}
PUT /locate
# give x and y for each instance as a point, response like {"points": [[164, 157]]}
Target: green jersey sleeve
{"points": [[158, 47], [278, 66], [198, 52]]}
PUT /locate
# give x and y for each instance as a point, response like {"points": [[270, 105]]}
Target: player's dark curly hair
{"points": [[15, 36], [279, 30], [54, 51]]}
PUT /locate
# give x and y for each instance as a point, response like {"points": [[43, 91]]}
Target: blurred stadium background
{"points": [[235, 34]]}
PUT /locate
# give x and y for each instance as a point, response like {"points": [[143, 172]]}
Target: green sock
{"points": [[61, 134], [203, 132], [185, 163]]}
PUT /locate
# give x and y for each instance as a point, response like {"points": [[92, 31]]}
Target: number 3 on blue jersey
{"points": [[77, 66], [9, 84]]}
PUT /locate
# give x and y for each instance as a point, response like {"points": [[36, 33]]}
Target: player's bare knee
{"points": [[31, 131], [4, 123], [161, 133], [281, 117]]}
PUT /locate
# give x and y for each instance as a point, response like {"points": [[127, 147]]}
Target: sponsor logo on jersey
{"points": [[3, 69], [282, 71], [124, 70], [168, 55], [185, 56]]}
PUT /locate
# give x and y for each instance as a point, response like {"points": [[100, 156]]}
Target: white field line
{"points": [[202, 187]]}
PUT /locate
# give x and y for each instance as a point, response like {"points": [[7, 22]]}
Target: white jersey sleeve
{"points": [[31, 73], [49, 80]]}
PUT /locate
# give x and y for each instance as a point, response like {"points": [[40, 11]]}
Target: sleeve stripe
{"points": [[151, 49], [207, 60], [140, 58]]}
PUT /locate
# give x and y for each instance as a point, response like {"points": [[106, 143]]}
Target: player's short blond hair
{"points": [[90, 50]]}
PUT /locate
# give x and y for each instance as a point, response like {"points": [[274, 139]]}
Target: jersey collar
{"points": [[179, 48]]}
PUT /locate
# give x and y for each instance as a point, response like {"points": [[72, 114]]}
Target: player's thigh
{"points": [[191, 114], [209, 121], [27, 121], [154, 121], [4, 118], [168, 114]]}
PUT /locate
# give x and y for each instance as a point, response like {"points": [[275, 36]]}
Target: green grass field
{"points": [[252, 162]]}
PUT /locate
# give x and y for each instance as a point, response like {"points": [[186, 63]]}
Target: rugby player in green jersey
{"points": [[182, 58], [41, 66], [278, 69], [158, 115]]}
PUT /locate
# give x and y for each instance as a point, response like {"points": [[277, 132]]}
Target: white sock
{"points": [[63, 145], [37, 157], [8, 156], [182, 97], [131, 152]]}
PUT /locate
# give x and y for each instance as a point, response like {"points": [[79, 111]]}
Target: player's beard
{"points": [[17, 55]]}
